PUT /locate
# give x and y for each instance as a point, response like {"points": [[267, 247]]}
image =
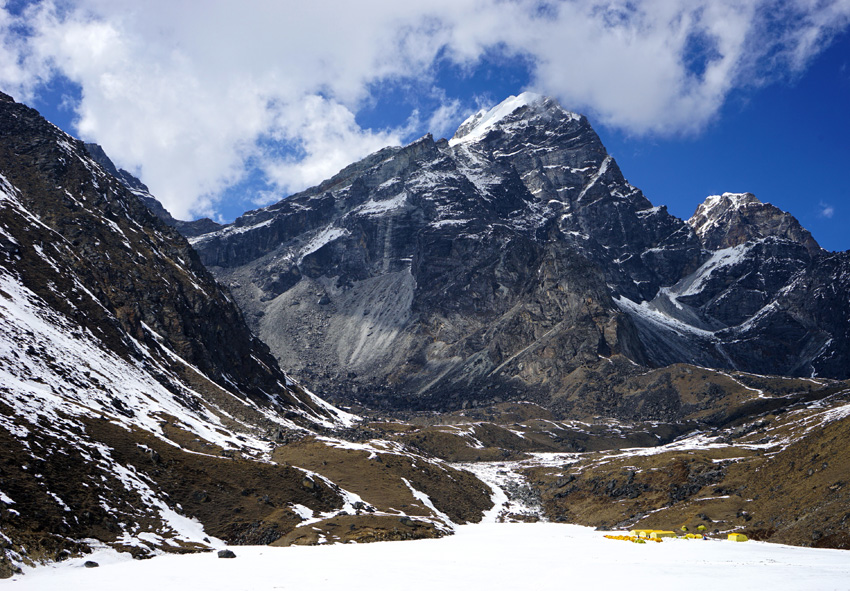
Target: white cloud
{"points": [[189, 95], [629, 69], [826, 210], [327, 139], [20, 71], [443, 121]]}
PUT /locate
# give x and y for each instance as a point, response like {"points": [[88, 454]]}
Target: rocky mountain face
{"points": [[499, 263], [730, 220], [136, 407], [81, 244], [763, 299]]}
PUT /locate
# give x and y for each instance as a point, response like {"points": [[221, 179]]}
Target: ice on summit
{"points": [[479, 124], [728, 201]]}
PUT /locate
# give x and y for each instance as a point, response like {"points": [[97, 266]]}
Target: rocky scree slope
{"points": [[499, 263], [136, 407]]}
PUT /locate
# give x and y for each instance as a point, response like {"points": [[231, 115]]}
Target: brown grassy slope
{"points": [[377, 478], [795, 493], [239, 500], [777, 467]]}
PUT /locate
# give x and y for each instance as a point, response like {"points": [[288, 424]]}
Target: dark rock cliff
{"points": [[762, 300], [130, 385], [450, 272]]}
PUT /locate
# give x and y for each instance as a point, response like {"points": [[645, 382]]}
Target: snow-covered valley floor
{"points": [[487, 556]]}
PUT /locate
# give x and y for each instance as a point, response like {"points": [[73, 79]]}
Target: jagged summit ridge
{"points": [[478, 124], [506, 112], [435, 235], [732, 219]]}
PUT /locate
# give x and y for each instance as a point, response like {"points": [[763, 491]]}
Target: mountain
{"points": [[765, 298], [510, 260], [137, 409]]}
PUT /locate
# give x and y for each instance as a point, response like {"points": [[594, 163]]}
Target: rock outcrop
{"points": [[733, 219]]}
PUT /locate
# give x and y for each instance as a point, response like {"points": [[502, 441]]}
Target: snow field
{"points": [[489, 556]]}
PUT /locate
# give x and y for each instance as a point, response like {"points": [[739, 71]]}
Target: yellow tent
{"points": [[647, 533], [738, 537]]}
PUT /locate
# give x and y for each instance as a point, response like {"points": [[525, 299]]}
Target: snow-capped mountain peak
{"points": [[478, 125], [731, 219], [709, 211]]}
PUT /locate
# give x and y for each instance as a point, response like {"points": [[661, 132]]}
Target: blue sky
{"points": [[788, 143], [234, 107]]}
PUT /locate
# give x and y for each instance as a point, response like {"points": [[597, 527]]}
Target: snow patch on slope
{"points": [[229, 230], [694, 283], [324, 237], [51, 368], [603, 168], [426, 500], [373, 207], [646, 311]]}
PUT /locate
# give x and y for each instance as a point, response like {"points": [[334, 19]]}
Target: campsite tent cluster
{"points": [[640, 536]]}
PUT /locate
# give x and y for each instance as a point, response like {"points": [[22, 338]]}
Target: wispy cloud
{"points": [[192, 97], [826, 210]]}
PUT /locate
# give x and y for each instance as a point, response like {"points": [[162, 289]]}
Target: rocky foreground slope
{"points": [[136, 407], [513, 261]]}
